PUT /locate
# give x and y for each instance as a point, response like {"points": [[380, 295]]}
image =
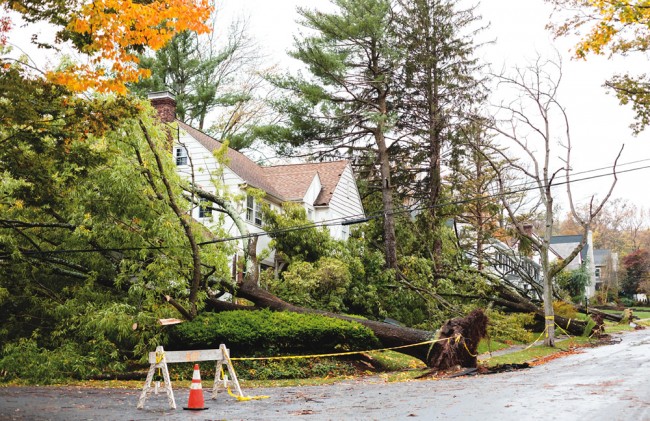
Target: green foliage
{"points": [[305, 245], [350, 60], [574, 282], [509, 327], [302, 368], [209, 81], [564, 309], [267, 333], [321, 285], [27, 362], [89, 243]]}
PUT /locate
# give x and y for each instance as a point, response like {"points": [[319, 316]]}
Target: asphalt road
{"points": [[605, 383]]}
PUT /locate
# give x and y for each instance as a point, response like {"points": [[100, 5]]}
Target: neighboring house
{"points": [[502, 261], [327, 190], [563, 245], [525, 273], [606, 269]]}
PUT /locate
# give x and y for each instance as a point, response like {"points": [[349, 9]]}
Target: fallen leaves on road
{"points": [[547, 358], [303, 412]]}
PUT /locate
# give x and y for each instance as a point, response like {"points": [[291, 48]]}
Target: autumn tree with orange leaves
{"points": [[112, 33]]}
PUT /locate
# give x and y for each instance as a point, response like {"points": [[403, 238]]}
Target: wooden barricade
{"points": [[160, 358]]}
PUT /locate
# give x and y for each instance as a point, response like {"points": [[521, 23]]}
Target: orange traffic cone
{"points": [[196, 402]]}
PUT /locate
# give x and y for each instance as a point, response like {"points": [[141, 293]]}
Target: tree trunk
{"points": [[612, 317], [390, 241], [440, 357], [513, 301]]}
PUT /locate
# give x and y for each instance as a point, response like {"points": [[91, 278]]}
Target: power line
{"points": [[360, 218], [351, 219]]}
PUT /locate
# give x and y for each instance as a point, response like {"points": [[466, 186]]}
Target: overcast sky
{"points": [[599, 124]]}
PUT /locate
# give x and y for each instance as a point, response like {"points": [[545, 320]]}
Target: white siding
{"points": [[310, 197], [313, 191], [203, 167], [345, 203]]}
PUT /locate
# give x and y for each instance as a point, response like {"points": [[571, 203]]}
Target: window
{"points": [[253, 210], [205, 210], [345, 232], [597, 273], [180, 154]]}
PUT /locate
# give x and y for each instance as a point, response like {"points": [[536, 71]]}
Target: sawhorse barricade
{"points": [[160, 358]]}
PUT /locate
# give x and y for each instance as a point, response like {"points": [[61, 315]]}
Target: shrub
{"points": [[321, 285], [29, 363], [267, 333], [293, 369], [509, 327], [564, 309]]}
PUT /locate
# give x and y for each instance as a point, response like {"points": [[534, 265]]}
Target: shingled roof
{"points": [[293, 180], [285, 182]]}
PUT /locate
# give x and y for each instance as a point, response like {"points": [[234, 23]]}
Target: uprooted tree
{"points": [[96, 238], [456, 343]]}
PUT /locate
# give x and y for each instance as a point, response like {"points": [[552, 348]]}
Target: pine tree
{"points": [[344, 106], [438, 88]]}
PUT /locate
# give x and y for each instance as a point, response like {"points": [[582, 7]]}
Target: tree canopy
{"points": [[111, 33]]}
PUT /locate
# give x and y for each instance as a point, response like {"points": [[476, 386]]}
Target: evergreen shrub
{"points": [[268, 333], [508, 328]]}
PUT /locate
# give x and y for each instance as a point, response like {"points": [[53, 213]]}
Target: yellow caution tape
{"points": [[538, 338], [563, 330], [246, 398], [239, 398], [289, 357], [468, 351], [159, 357]]}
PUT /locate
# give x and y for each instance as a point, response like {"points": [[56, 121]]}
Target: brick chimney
{"points": [[165, 103]]}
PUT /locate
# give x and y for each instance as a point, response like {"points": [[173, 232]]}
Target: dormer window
{"points": [[180, 154]]}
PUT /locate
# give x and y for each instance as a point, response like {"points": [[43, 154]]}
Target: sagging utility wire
{"points": [[351, 219]]}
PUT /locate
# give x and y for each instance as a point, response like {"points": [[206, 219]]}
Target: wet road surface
{"points": [[605, 383]]}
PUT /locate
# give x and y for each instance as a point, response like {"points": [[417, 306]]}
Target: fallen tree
{"points": [[413, 342], [607, 316], [510, 300], [440, 355]]}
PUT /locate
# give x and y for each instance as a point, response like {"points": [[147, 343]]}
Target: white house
{"points": [[327, 190], [525, 273]]}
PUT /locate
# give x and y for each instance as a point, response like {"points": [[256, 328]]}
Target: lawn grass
{"points": [[641, 313], [395, 361], [489, 345], [534, 352]]}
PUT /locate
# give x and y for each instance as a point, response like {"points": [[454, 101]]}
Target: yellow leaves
{"points": [[600, 36], [616, 26], [116, 30]]}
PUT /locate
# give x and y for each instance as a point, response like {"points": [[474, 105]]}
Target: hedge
{"points": [[268, 333]]}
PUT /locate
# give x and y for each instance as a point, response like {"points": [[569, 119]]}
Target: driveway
{"points": [[605, 383]]}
